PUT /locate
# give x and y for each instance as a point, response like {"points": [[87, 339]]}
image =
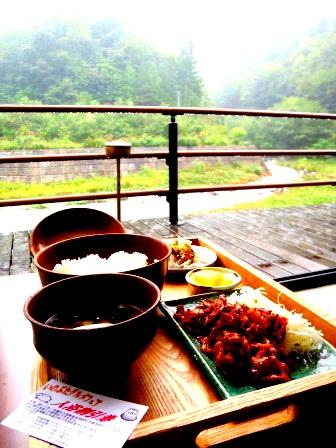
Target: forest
{"points": [[99, 63], [79, 63]]}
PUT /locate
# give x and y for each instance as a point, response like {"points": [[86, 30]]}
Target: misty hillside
{"points": [[307, 71], [81, 63], [67, 63]]}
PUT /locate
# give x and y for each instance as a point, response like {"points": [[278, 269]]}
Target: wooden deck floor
{"points": [[280, 242]]}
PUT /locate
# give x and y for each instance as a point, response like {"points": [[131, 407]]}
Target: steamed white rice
{"points": [[94, 264]]}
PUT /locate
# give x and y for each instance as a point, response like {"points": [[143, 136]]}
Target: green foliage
{"points": [[237, 164], [149, 140], [199, 174], [300, 78], [189, 140], [282, 133], [323, 143], [307, 70], [313, 168], [256, 169], [198, 167], [202, 173], [79, 62], [36, 131], [94, 63], [210, 131], [292, 197]]}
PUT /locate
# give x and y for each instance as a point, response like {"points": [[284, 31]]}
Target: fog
{"points": [[226, 35]]}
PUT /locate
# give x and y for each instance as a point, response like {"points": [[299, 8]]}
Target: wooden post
{"points": [[117, 150]]}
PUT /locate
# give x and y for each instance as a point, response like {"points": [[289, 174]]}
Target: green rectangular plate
{"points": [[326, 360]]}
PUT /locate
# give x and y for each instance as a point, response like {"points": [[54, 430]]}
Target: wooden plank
{"points": [[21, 262], [306, 227], [272, 242], [161, 230], [222, 226], [149, 228], [312, 220], [6, 242], [280, 257], [242, 428], [280, 241], [246, 251], [296, 242]]}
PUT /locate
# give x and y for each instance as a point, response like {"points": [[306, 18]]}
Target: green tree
{"points": [[72, 62], [189, 87], [307, 70], [282, 133]]}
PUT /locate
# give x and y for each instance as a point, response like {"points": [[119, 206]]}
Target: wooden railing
{"points": [[171, 156]]}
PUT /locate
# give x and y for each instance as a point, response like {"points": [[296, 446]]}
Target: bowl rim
{"points": [[76, 278], [99, 235], [190, 281], [67, 212]]}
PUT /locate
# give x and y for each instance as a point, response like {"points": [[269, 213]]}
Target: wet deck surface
{"points": [[280, 242]]}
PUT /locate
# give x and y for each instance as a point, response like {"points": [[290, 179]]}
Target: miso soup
{"points": [[82, 320]]}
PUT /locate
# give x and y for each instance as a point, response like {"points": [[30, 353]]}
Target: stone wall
{"points": [[65, 170]]}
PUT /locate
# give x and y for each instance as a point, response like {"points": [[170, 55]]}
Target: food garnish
{"points": [[249, 337], [183, 255]]}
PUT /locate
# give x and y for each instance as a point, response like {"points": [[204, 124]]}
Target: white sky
{"points": [[225, 33]]}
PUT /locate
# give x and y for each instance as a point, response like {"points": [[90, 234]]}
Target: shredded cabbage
{"points": [[301, 336]]}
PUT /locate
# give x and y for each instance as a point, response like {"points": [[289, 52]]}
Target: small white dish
{"points": [[214, 278], [205, 257]]}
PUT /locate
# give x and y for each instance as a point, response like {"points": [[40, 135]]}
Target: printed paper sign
{"points": [[70, 417]]}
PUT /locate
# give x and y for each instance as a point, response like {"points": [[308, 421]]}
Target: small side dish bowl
{"points": [[214, 278], [91, 323], [91, 255], [71, 223]]}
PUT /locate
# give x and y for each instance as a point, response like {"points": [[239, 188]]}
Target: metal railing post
{"points": [[118, 188], [172, 162]]}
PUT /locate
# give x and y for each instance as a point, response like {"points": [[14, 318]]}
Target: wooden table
{"points": [[184, 408]]}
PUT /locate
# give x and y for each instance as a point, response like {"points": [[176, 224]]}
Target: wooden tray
{"points": [[184, 407], [194, 422]]}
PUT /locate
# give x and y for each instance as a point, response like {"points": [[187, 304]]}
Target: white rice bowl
{"points": [[93, 264]]}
